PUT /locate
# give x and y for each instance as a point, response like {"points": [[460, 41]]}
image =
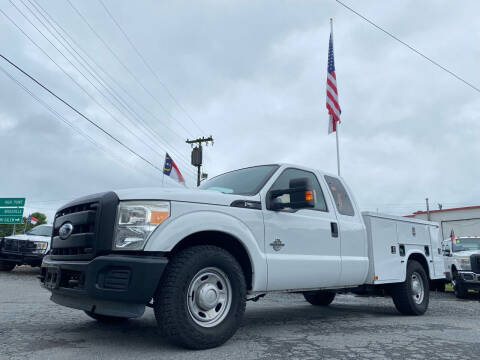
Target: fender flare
{"points": [[173, 231], [407, 258]]}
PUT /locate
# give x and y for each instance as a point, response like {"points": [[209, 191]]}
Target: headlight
{"points": [[464, 263], [40, 247], [136, 220]]}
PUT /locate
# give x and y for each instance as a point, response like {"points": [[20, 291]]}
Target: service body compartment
{"points": [[391, 239]]}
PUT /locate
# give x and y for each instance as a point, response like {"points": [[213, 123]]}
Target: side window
{"points": [[283, 182], [342, 201]]}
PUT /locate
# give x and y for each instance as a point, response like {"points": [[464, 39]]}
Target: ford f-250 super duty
{"points": [[28, 248], [462, 263], [196, 256]]}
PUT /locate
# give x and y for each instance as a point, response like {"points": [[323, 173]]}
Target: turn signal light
{"points": [[308, 195], [157, 217]]}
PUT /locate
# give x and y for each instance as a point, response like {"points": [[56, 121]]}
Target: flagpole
{"points": [[338, 149], [337, 122]]}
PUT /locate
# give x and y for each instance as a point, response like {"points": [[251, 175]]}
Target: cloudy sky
{"points": [[252, 74]]}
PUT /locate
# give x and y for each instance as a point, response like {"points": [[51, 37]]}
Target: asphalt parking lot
{"points": [[277, 327]]}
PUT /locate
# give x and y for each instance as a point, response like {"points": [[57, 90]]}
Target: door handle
{"points": [[334, 228]]}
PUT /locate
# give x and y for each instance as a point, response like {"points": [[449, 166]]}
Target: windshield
{"points": [[246, 181], [42, 230], [466, 244]]}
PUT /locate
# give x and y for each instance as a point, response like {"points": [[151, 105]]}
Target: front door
{"points": [[302, 250]]}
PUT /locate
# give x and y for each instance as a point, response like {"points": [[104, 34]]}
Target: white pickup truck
{"points": [[462, 263], [25, 249], [196, 256]]}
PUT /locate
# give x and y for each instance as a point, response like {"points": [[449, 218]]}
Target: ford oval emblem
{"points": [[65, 230]]}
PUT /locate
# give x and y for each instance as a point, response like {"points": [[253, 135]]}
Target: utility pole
{"points": [[428, 209], [197, 153]]}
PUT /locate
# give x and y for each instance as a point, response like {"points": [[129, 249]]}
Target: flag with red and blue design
{"points": [[171, 169], [333, 106], [32, 220]]}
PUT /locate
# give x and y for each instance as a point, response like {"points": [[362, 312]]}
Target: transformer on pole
{"points": [[197, 155]]}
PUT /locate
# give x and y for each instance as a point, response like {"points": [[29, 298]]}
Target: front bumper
{"points": [[21, 258], [470, 279], [114, 284]]}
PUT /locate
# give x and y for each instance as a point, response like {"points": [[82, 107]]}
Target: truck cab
{"points": [[462, 263], [197, 255]]}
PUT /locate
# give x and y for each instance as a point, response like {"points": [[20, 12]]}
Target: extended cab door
{"points": [[353, 235], [302, 246]]}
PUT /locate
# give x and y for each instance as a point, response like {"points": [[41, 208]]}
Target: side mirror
{"points": [[446, 252], [300, 193]]}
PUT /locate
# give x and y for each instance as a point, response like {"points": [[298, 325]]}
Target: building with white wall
{"points": [[464, 221]]}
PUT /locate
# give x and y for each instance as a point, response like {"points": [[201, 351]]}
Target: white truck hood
{"points": [[465, 253], [28, 237], [185, 195]]}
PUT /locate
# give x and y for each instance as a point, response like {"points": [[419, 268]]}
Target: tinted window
{"points": [[42, 230], [340, 196], [466, 244], [283, 183], [246, 181]]}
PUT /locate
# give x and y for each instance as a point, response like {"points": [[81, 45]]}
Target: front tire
{"points": [[461, 292], [319, 298], [201, 298], [6, 265], [412, 296]]}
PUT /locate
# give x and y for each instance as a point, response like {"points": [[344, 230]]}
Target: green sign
{"points": [[11, 211], [12, 202], [11, 219]]}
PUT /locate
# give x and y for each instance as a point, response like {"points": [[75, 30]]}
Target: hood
{"points": [[466, 253], [183, 194], [28, 237]]}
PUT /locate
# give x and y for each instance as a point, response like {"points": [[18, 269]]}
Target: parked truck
{"points": [[462, 263], [25, 249], [196, 256]]}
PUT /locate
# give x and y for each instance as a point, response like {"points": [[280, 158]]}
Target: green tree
{"points": [[7, 229]]}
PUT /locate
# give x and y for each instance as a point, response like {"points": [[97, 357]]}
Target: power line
{"points": [[126, 67], [410, 47], [64, 120], [78, 112], [99, 78], [81, 87], [148, 66]]}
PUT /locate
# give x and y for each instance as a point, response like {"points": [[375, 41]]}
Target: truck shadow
{"points": [[142, 333], [24, 271]]}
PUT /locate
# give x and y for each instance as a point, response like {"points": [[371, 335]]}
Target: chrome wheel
{"points": [[209, 297], [418, 291]]}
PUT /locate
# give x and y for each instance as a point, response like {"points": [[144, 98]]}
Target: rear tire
{"points": [[319, 298], [412, 296], [201, 298], [106, 319], [6, 265]]}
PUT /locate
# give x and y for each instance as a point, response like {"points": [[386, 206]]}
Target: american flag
{"points": [[332, 93]]}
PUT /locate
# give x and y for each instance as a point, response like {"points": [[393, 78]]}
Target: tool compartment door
{"points": [[413, 233], [384, 245], [437, 252]]}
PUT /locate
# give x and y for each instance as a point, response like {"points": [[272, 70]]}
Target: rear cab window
{"points": [[340, 196]]}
